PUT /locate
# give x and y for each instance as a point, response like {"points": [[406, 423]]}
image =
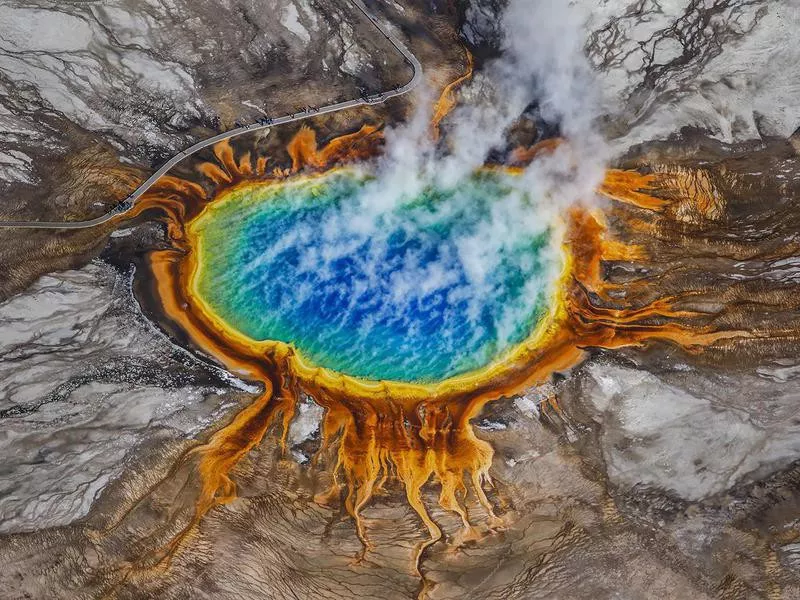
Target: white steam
{"points": [[543, 62]]}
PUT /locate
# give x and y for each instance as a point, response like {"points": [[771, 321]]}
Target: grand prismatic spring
{"points": [[284, 278], [287, 263], [527, 331]]}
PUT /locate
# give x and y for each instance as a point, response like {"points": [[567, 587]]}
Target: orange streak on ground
{"points": [[179, 186], [216, 458], [261, 165], [214, 173], [525, 155], [245, 166], [633, 188], [304, 151], [344, 148], [224, 153], [685, 194], [447, 100]]}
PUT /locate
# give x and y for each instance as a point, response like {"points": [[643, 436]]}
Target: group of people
{"points": [[269, 120], [261, 121], [307, 109]]}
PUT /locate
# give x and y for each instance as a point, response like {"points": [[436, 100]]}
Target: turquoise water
{"points": [[419, 290]]}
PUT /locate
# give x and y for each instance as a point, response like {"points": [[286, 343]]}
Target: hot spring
{"points": [[440, 282]]}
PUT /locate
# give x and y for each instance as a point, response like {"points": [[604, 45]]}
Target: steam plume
{"points": [[542, 64]]}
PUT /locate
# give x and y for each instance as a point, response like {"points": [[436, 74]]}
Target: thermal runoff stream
{"points": [[410, 293]]}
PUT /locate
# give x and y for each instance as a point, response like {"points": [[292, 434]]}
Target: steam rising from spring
{"points": [[542, 66]]}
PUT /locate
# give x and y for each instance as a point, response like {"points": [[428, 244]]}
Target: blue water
{"points": [[440, 284]]}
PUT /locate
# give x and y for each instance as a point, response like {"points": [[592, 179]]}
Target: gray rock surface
{"points": [[146, 79], [694, 442], [85, 381], [719, 65], [723, 66]]}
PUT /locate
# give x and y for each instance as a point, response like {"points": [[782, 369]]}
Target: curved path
{"points": [[264, 123]]}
